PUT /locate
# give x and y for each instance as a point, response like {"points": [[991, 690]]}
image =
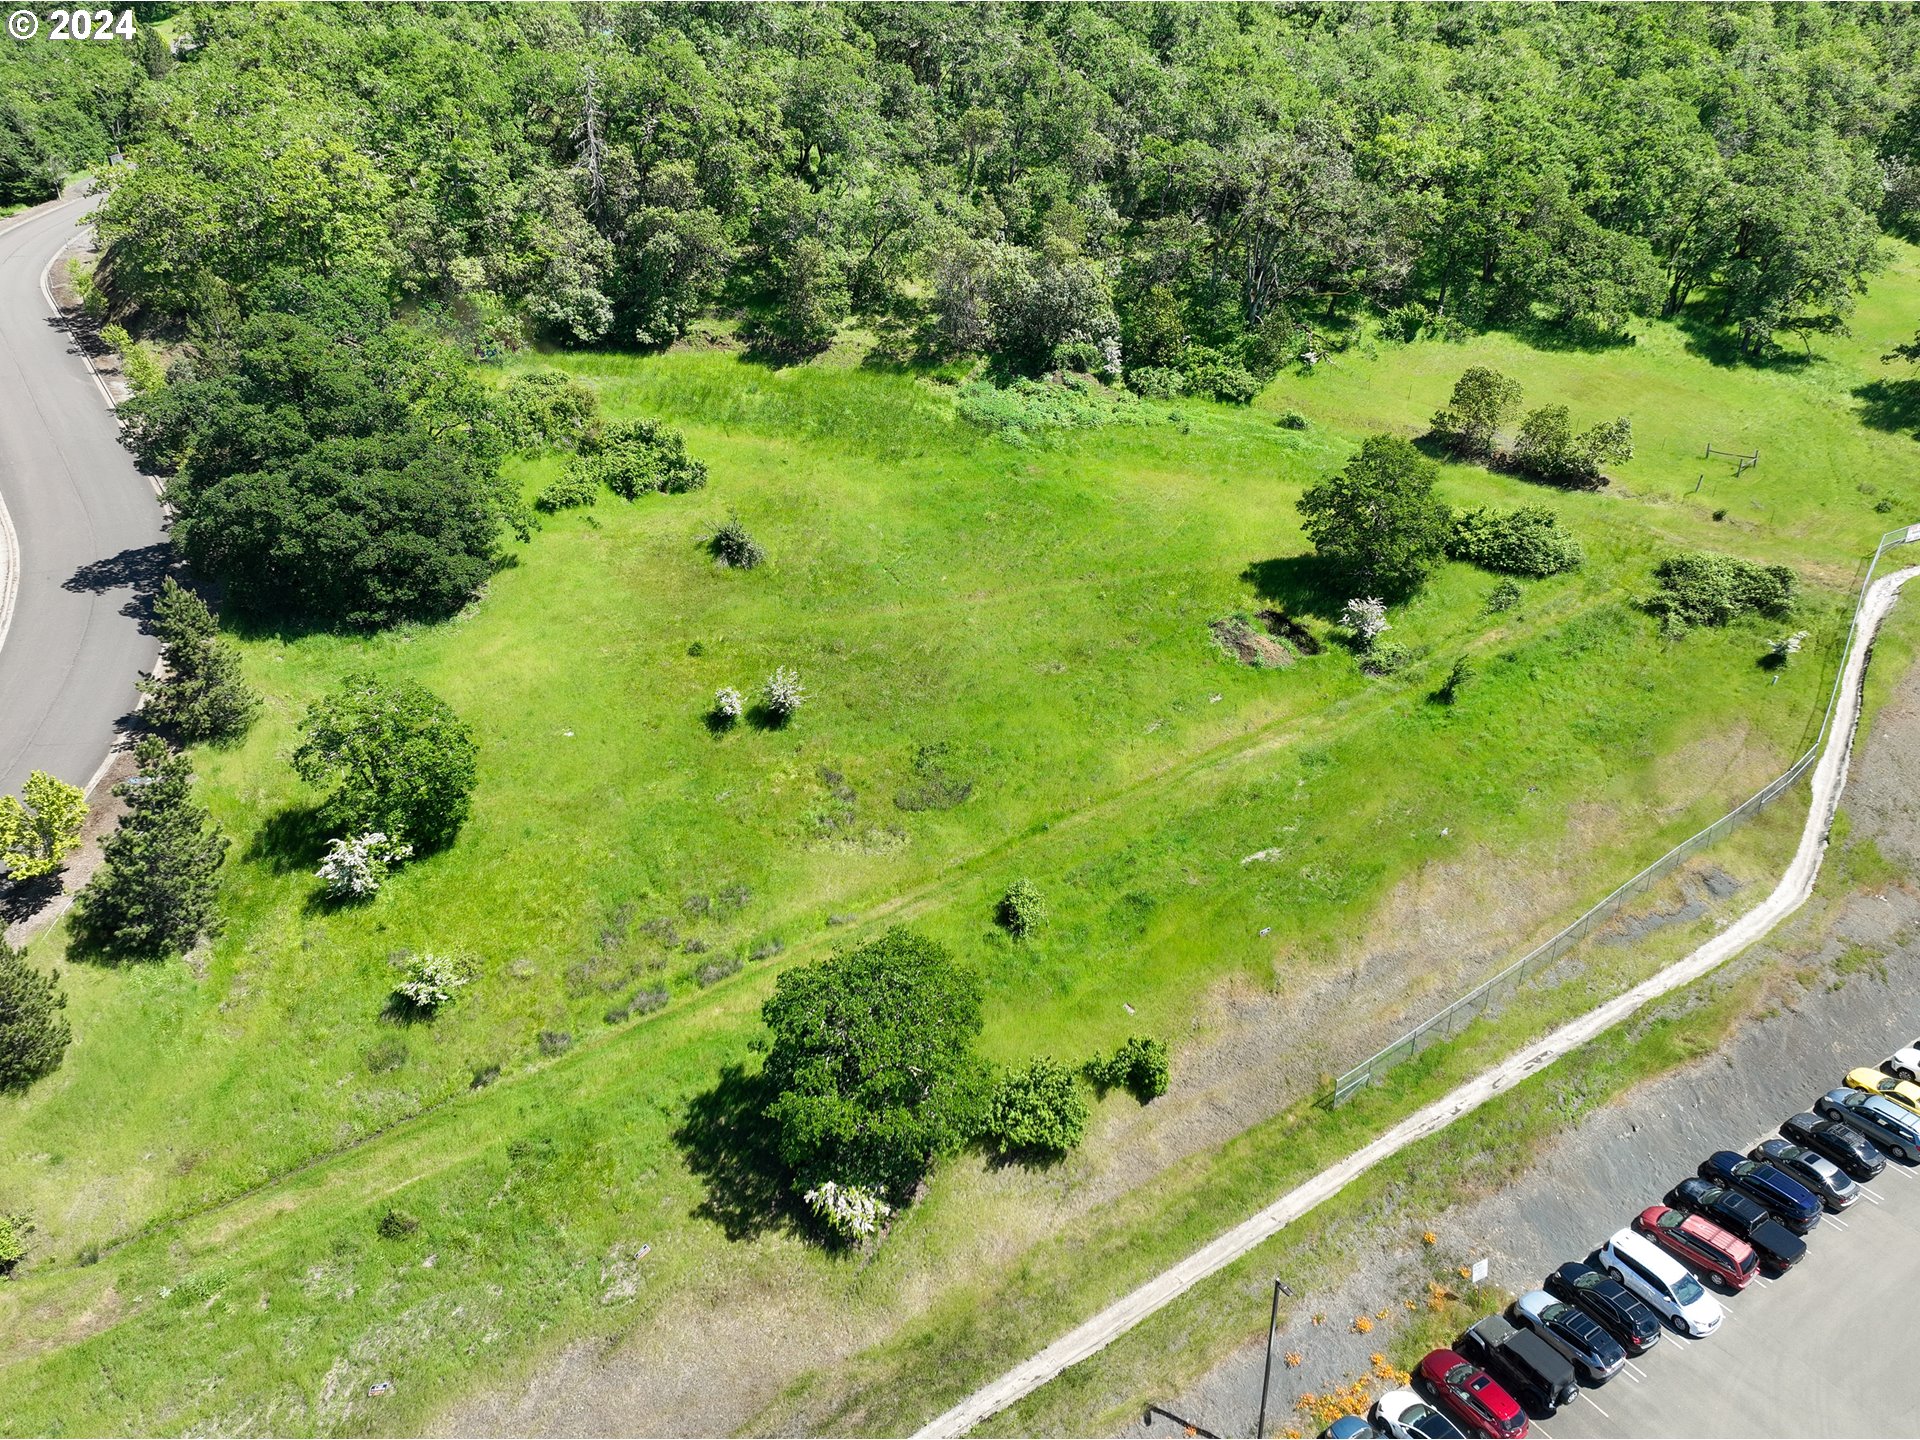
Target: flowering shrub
{"points": [[849, 1212], [783, 695], [1366, 617], [355, 868], [728, 704], [432, 980], [1780, 651]]}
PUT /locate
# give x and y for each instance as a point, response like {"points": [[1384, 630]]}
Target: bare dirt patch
{"points": [[1247, 645]]}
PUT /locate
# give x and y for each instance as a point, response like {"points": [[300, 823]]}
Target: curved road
{"points": [[85, 543]]}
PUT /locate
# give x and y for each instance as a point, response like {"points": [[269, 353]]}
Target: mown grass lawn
{"points": [[1029, 623]]}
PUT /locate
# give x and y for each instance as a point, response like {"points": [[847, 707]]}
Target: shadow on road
{"points": [[140, 570]]}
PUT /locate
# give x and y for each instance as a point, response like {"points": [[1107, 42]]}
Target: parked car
{"points": [[1797, 1207], [1625, 1315], [1842, 1144], [1816, 1172], [1350, 1427], [1663, 1282], [1779, 1248], [1701, 1243], [1573, 1332], [1904, 1063], [1532, 1371], [1471, 1396], [1405, 1414], [1877, 1118], [1903, 1093]]}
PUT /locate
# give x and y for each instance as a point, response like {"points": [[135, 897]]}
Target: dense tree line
{"points": [[1219, 179]]}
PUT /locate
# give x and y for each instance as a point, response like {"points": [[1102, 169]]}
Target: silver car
{"points": [[1884, 1123]]}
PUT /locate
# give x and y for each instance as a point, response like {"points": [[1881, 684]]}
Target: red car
{"points": [[1699, 1241], [1472, 1397]]}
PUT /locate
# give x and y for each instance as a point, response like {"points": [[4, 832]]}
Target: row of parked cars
{"points": [[1737, 1216]]}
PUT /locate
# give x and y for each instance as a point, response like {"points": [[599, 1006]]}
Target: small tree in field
{"points": [[1366, 618], [36, 837], [1377, 522], [355, 868], [400, 761], [202, 695], [33, 1034], [1483, 400], [1022, 911], [155, 891], [872, 1066], [783, 695]]}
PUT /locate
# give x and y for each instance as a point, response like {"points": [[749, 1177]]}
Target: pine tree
{"points": [[154, 894], [203, 695], [33, 1034]]}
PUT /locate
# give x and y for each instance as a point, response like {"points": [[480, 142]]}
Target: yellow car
{"points": [[1903, 1093]]}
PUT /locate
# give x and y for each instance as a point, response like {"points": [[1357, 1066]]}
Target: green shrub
{"points": [[1527, 541], [640, 457], [1211, 373], [1022, 910], [1404, 322], [396, 1224], [1503, 597], [546, 409], [733, 547], [1698, 588], [1291, 420], [578, 486], [1156, 382], [1139, 1066], [1080, 356], [1036, 1111], [1456, 681], [1388, 657], [13, 1246], [1028, 409]]}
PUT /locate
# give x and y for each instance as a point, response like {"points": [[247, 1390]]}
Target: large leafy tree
{"points": [[872, 1066], [399, 760], [157, 889], [1377, 522]]}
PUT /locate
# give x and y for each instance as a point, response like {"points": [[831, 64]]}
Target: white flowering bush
{"points": [[783, 695], [355, 867], [431, 981], [1781, 651], [1367, 619], [851, 1213], [728, 704], [1110, 357]]}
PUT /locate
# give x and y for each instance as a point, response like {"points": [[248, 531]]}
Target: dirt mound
{"points": [[1247, 645]]}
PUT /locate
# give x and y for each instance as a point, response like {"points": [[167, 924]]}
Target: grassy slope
{"points": [[1039, 612]]}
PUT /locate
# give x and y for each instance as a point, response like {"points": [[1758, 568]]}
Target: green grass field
{"points": [[1029, 622]]}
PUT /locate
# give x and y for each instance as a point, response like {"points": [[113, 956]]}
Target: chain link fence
{"points": [[1492, 991]]}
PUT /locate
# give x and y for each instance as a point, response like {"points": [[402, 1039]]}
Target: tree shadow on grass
{"points": [[1298, 585], [290, 839], [1890, 405], [729, 1143]]}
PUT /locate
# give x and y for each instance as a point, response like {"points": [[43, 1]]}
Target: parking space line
{"points": [[1870, 1192], [1593, 1402], [1635, 1371], [1843, 1224], [1872, 1199], [1764, 1281]]}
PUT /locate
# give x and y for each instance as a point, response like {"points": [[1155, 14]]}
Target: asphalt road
{"points": [[1823, 1350], [85, 530]]}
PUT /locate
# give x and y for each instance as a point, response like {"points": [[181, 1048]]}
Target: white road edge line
{"points": [[1829, 779]]}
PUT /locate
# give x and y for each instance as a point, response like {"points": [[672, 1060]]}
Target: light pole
{"points": [[1266, 1376]]}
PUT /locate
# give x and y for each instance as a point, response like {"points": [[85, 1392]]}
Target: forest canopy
{"points": [[1011, 178]]}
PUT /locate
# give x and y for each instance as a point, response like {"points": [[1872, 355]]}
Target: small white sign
{"points": [[1479, 1271]]}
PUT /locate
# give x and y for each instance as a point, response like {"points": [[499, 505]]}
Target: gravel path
{"points": [[1829, 778]]}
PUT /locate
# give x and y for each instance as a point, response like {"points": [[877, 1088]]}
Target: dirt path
{"points": [[1829, 779]]}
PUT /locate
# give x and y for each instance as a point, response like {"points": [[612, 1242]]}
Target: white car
{"points": [[1904, 1063], [1404, 1413], [1663, 1282]]}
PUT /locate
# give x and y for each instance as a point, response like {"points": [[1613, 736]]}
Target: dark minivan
{"points": [[1533, 1372]]}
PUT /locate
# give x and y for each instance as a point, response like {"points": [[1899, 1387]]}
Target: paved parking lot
{"points": [[1827, 1349]]}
